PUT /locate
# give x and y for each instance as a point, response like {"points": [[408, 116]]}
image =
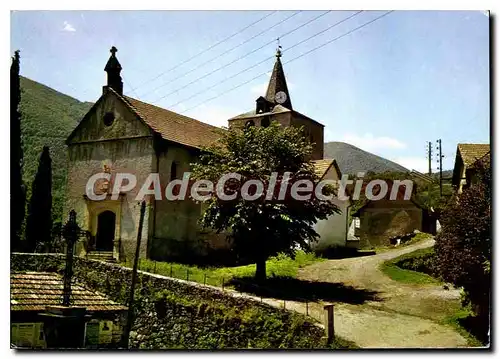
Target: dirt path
{"points": [[400, 315]]}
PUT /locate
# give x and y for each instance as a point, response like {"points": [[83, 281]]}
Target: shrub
{"points": [[463, 248]]}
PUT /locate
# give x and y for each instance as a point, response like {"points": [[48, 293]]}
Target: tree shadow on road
{"points": [[342, 253], [303, 290]]}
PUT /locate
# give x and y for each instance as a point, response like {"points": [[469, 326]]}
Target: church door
{"points": [[105, 231]]}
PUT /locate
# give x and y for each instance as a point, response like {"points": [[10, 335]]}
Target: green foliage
{"points": [[17, 187], [406, 276], [279, 266], [48, 117], [463, 248], [39, 220], [413, 268], [459, 321], [262, 228]]}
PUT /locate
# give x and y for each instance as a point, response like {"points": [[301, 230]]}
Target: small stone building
{"points": [[32, 292], [380, 220]]}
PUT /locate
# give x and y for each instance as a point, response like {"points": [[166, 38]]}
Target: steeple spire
{"points": [[277, 90], [113, 69]]}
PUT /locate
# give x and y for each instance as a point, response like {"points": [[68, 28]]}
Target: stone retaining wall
{"points": [[172, 313]]}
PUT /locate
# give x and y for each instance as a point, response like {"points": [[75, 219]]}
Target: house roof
{"points": [[253, 113], [471, 152], [322, 166], [172, 126], [34, 291]]}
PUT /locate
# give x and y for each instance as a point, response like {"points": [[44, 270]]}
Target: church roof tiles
{"points": [[172, 126]]}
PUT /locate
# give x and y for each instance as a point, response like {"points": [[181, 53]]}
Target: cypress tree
{"points": [[17, 189], [39, 220]]}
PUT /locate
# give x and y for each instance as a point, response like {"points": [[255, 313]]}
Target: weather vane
{"points": [[278, 50]]}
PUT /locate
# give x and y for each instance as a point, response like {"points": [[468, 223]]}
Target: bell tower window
{"points": [[249, 123]]}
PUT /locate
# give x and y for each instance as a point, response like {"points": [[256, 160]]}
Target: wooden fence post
{"points": [[329, 323]]}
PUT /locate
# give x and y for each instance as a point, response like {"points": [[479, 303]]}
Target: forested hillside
{"points": [[48, 117], [352, 159]]}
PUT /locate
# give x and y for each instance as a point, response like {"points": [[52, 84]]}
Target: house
{"points": [[121, 134], [333, 230], [31, 293], [467, 155], [379, 220]]}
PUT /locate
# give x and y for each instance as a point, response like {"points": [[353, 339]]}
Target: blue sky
{"points": [[392, 85]]}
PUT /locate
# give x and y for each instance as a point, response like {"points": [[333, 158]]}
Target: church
{"points": [[120, 134]]}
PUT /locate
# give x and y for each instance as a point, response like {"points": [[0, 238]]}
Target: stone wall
{"points": [[172, 313], [383, 219]]}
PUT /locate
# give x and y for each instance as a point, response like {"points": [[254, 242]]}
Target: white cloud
{"points": [[214, 115], [413, 163], [68, 27], [368, 142]]}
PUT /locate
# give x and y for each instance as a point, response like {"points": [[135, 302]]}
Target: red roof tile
{"points": [[34, 291], [173, 126]]}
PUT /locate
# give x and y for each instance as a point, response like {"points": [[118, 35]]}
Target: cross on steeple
{"points": [[278, 49], [113, 69], [277, 90]]}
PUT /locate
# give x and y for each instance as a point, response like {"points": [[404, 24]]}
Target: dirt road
{"points": [[394, 315]]}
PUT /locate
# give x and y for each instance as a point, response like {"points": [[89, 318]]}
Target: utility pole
{"points": [[429, 156], [440, 161], [130, 314]]}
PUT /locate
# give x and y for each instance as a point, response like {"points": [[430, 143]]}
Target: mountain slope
{"points": [[352, 159], [47, 119]]}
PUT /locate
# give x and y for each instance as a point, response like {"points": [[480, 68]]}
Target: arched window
{"points": [[265, 122]]}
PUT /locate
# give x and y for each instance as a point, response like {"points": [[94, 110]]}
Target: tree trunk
{"points": [[260, 272]]}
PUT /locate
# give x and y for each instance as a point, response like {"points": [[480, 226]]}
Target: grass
{"points": [[279, 266], [456, 321], [391, 269], [407, 276]]}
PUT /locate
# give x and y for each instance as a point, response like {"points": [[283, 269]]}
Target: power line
{"points": [[218, 56], [266, 59], [207, 49], [128, 84], [242, 57], [295, 58]]}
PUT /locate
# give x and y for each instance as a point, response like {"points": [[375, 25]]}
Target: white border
{"points": [[190, 5]]}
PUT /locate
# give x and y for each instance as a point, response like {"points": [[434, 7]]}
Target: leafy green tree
{"points": [[262, 228], [17, 189], [463, 248], [39, 220]]}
